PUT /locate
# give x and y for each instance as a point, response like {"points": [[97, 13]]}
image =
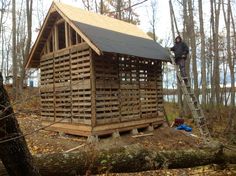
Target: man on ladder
{"points": [[181, 51]]}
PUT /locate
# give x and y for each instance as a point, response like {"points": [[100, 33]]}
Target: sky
{"points": [[163, 18], [163, 26]]}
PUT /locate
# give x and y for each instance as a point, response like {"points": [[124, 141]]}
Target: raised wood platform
{"points": [[86, 130]]}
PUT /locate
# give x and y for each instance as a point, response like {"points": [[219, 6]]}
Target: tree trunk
{"points": [[227, 18], [173, 27], [193, 47], [231, 65], [14, 58], [14, 153], [101, 7], [153, 20], [233, 124], [203, 53], [172, 22], [215, 12], [127, 159], [186, 37], [118, 9], [1, 33], [29, 9]]}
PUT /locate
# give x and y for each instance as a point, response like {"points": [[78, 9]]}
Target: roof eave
{"points": [[54, 8], [51, 9]]}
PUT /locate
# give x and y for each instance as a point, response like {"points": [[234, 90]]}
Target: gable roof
{"points": [[102, 33]]}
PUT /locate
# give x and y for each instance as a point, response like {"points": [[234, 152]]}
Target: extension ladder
{"points": [[193, 103]]}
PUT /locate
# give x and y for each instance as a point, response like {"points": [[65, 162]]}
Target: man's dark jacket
{"points": [[180, 49]]}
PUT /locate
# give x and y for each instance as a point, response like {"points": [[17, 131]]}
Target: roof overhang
{"points": [[34, 56], [114, 37]]}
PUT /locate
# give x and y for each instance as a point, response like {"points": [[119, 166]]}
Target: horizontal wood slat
{"points": [[65, 84]]}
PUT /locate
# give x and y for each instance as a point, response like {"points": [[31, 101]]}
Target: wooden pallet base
{"points": [[85, 130]]}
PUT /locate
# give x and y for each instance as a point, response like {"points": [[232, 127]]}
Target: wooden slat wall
{"points": [[127, 88], [159, 85], [62, 85], [65, 85], [107, 89], [47, 87], [81, 88], [148, 89]]}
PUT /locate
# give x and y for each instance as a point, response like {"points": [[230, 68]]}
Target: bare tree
{"points": [[215, 14], [87, 4], [174, 27], [193, 47], [101, 6], [14, 57], [153, 18], [118, 9], [172, 20], [40, 12], [230, 59], [26, 49], [203, 53], [3, 14]]}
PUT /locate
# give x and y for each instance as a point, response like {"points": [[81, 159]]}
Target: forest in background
{"points": [[211, 37], [210, 34]]}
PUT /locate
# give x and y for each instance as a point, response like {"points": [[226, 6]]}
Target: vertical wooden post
{"points": [[69, 35], [77, 38], [161, 92], [54, 88], [66, 34], [156, 66], [119, 89], [56, 38], [93, 88], [53, 40], [48, 45], [139, 87], [71, 88]]}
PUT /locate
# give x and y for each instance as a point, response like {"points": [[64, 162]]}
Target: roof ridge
{"points": [[94, 13], [109, 22]]}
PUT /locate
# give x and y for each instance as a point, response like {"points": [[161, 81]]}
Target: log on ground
{"points": [[127, 159]]}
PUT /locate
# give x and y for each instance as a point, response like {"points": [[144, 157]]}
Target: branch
{"points": [[180, 2], [4, 140], [128, 7]]}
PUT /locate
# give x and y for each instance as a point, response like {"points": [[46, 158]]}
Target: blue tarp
{"points": [[184, 127]]}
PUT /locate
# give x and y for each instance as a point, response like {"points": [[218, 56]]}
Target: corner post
{"points": [[93, 88]]}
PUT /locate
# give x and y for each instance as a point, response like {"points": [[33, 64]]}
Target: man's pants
{"points": [[181, 63]]}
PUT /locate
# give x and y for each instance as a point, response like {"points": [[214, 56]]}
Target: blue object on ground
{"points": [[184, 127]]}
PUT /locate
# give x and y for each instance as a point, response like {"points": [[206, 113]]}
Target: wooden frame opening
{"points": [[73, 36], [61, 35]]}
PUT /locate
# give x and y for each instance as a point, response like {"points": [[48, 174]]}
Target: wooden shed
{"points": [[98, 74]]}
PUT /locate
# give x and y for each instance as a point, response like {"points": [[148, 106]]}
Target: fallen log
{"points": [[127, 159]]}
